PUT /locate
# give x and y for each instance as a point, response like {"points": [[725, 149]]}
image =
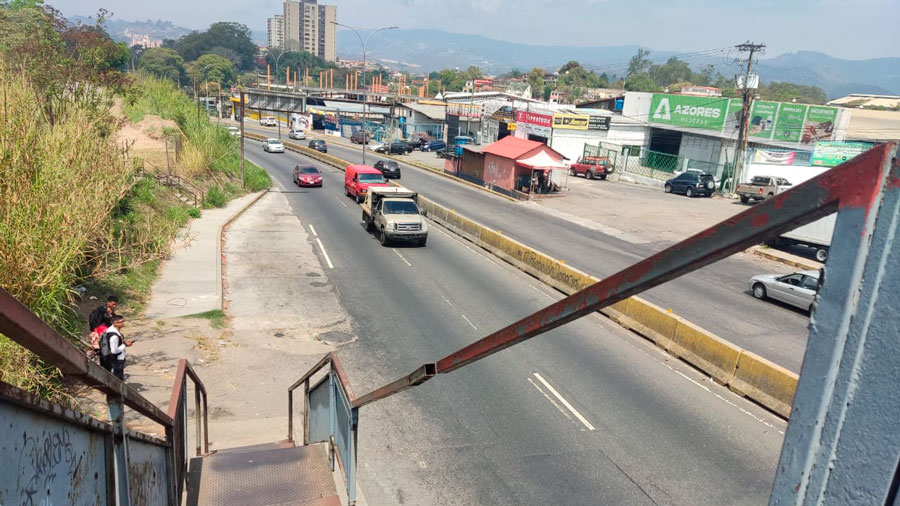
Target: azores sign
{"points": [[778, 121], [687, 111]]}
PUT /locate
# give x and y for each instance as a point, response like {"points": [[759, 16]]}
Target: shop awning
{"points": [[541, 160]]}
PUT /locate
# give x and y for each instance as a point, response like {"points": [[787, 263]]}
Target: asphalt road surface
{"points": [[716, 297], [586, 414]]}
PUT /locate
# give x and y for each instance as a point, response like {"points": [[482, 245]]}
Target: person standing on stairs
{"points": [[117, 345]]}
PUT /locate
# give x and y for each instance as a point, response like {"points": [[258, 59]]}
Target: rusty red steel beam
{"points": [[19, 324], [854, 184]]}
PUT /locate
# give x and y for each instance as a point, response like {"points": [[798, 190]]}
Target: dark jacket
{"points": [[99, 317]]}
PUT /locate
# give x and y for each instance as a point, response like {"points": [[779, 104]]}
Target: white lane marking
{"points": [[557, 406], [565, 403], [341, 202], [448, 302], [313, 230], [325, 253], [401, 257], [719, 396], [468, 321]]}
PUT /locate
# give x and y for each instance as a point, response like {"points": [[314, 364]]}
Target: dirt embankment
{"points": [[146, 139]]}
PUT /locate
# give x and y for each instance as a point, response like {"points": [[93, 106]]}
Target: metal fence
{"points": [[641, 161]]}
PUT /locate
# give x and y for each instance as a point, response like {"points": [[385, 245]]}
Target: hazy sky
{"points": [[856, 29]]}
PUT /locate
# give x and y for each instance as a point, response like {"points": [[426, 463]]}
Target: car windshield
{"points": [[400, 207], [371, 178], [308, 170], [391, 165], [273, 141]]}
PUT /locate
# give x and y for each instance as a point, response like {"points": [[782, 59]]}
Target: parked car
{"points": [[319, 145], [268, 121], [389, 168], [300, 135], [762, 188], [359, 178], [692, 183], [591, 167], [360, 137], [273, 146], [307, 175], [418, 139], [399, 148], [434, 145], [798, 289], [448, 152]]}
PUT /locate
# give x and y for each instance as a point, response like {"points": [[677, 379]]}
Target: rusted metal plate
{"points": [[297, 476], [47, 460], [147, 483]]}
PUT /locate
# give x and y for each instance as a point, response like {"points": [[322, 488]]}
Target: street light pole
{"points": [[363, 44]]}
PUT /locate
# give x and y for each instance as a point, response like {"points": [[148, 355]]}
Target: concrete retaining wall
{"points": [[742, 371]]}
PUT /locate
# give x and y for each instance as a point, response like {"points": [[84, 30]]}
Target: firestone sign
{"points": [[534, 123], [687, 111]]}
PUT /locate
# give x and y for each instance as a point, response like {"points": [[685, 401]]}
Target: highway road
{"points": [[716, 297], [586, 414]]}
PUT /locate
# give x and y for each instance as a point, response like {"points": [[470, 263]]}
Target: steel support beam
{"points": [[842, 445]]}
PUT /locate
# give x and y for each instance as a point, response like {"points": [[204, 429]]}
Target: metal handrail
{"points": [[19, 324], [185, 370], [330, 358]]}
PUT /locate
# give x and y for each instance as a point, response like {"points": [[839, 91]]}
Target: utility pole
{"points": [[242, 136], [741, 147]]}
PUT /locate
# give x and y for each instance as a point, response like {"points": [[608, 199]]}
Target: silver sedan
{"points": [[797, 289]]}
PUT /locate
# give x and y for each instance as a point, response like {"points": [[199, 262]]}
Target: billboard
{"points": [[534, 123], [687, 111], [567, 121], [778, 121], [789, 125], [762, 119], [831, 154], [819, 124]]}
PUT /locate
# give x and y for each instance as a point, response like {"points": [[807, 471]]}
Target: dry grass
{"points": [[59, 182]]}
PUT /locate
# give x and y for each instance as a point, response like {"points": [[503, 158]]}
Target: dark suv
{"points": [[400, 148], [692, 183], [319, 145], [389, 168]]}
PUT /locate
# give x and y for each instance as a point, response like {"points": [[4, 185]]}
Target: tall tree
{"points": [[639, 63], [163, 62], [673, 71], [641, 82], [214, 68], [230, 36]]}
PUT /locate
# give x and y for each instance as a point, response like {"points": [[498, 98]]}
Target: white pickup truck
{"points": [[762, 188], [392, 212]]}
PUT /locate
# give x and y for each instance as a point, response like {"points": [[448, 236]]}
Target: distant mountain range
{"points": [[423, 51], [427, 50]]}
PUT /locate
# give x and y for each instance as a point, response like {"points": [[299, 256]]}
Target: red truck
{"points": [[591, 167]]}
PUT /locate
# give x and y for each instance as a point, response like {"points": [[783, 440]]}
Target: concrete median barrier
{"points": [[708, 352], [747, 374], [767, 383]]}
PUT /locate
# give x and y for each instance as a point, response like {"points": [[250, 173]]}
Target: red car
{"points": [[591, 167], [307, 175]]}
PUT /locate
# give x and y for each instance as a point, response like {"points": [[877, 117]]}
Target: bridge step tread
{"points": [[263, 475]]}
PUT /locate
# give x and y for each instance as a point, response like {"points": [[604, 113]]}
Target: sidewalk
{"points": [[189, 281]]}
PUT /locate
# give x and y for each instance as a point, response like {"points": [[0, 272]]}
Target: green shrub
{"points": [[216, 197]]}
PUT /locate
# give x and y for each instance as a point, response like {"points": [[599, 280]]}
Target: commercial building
{"points": [[309, 26], [276, 31]]}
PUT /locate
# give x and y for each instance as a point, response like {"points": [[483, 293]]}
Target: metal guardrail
{"points": [[56, 455]]}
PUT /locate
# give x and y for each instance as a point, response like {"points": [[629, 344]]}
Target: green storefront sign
{"points": [[762, 119], [789, 125], [832, 154], [687, 111]]}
